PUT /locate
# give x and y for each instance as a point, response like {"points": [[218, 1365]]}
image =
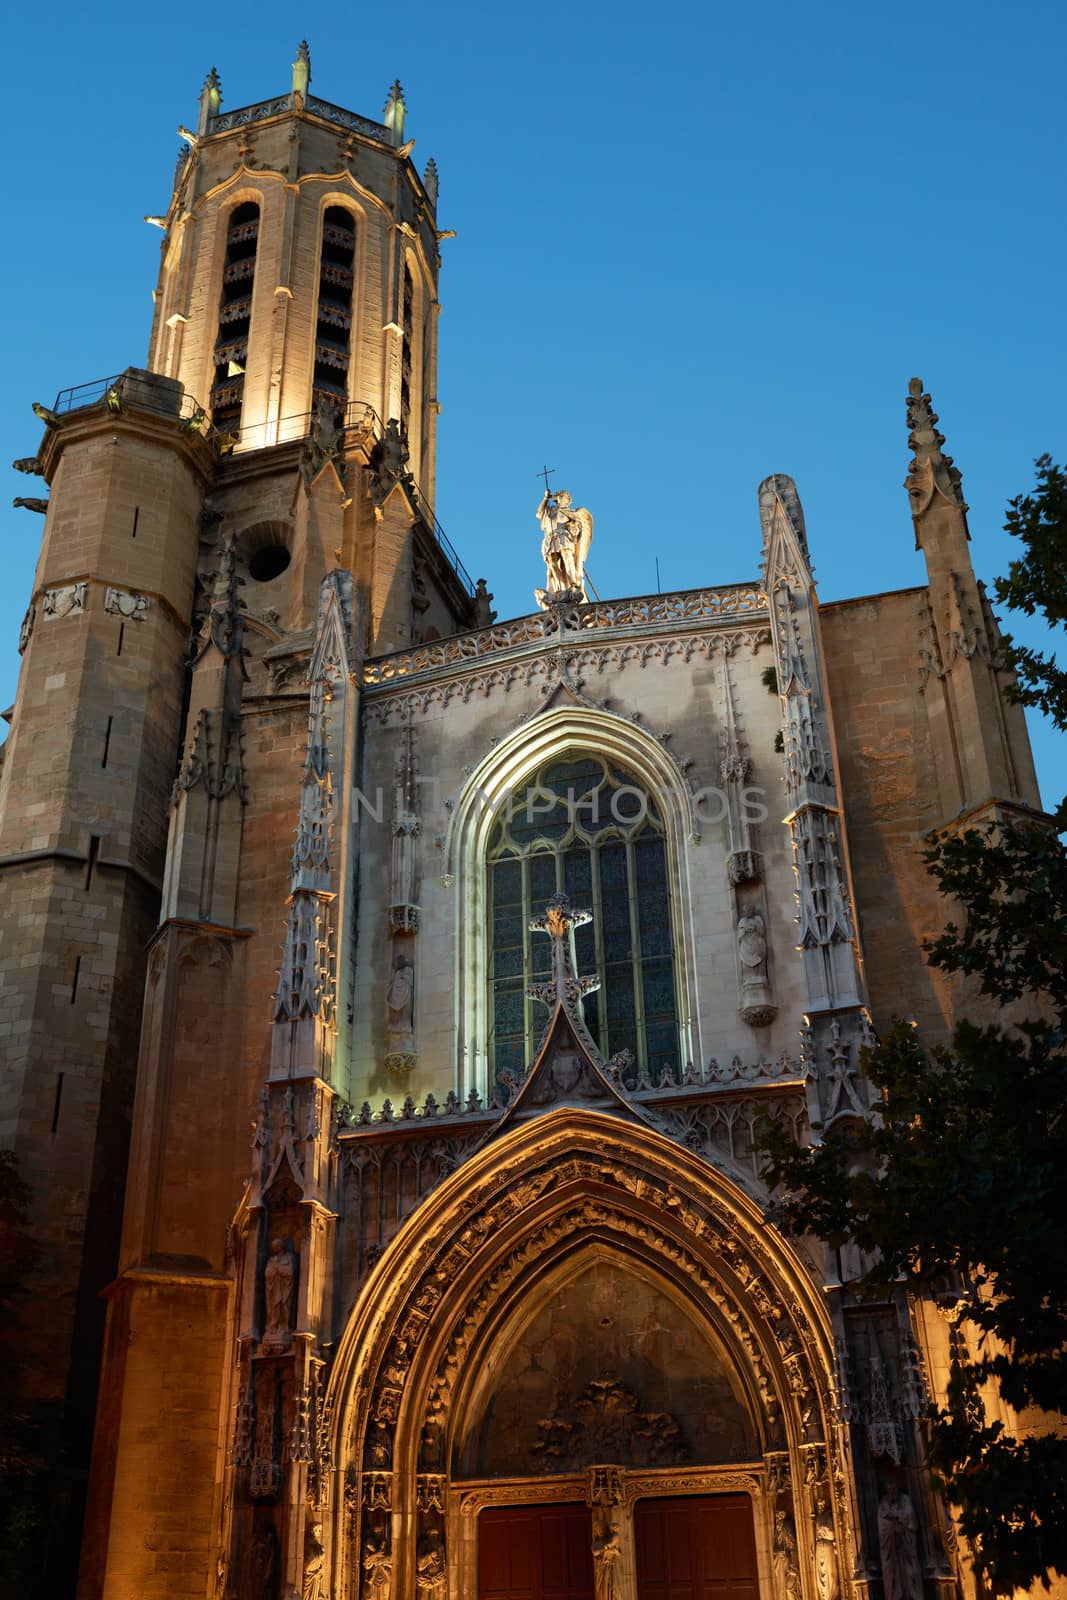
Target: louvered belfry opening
{"points": [[235, 316], [333, 330]]}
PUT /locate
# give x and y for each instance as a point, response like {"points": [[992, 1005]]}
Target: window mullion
{"points": [[527, 965], [598, 946], [635, 954]]}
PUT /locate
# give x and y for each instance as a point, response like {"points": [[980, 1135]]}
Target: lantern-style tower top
{"points": [[299, 270]]}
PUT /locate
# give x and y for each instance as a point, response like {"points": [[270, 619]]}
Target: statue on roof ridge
{"points": [[567, 532]]}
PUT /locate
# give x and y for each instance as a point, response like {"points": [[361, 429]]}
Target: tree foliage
{"points": [[1036, 585], [958, 1187]]}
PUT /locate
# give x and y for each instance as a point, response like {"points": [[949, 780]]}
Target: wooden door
{"points": [[535, 1553], [696, 1549]]}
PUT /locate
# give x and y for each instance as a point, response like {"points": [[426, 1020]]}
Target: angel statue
{"points": [[567, 532]]}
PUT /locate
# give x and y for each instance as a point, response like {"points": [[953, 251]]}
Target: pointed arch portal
{"points": [[585, 1327]]}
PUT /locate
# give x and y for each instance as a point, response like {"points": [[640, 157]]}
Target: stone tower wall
{"points": [[87, 778]]}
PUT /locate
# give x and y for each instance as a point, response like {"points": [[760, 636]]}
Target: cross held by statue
{"points": [[545, 473]]}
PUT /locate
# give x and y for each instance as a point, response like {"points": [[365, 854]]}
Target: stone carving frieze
{"points": [[543, 668], [605, 1422]]}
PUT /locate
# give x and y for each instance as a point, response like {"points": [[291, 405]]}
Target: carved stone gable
{"points": [[567, 1072]]}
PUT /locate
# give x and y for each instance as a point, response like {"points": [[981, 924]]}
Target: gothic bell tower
{"points": [[282, 431], [299, 269]]}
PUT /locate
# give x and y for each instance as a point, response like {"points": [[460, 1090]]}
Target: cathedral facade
{"points": [[438, 972]]}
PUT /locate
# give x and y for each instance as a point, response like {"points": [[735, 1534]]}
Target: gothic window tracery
{"points": [[333, 328], [235, 317], [583, 826], [407, 323]]}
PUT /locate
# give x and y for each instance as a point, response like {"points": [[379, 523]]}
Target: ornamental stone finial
{"points": [[210, 101], [395, 111], [929, 461]]}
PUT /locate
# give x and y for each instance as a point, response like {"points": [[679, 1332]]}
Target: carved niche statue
{"points": [[431, 1579], [756, 1004], [898, 1538], [826, 1582], [607, 1553], [377, 1569], [314, 1584], [400, 1024], [279, 1283], [786, 1571], [567, 532], [263, 1564]]}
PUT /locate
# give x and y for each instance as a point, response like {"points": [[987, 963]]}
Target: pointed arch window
{"points": [[235, 317], [585, 827], [407, 324], [333, 327]]}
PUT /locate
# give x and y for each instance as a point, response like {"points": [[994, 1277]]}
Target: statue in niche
{"points": [[786, 1571], [279, 1283], [263, 1564], [430, 1575], [607, 1553], [399, 998], [898, 1539], [377, 1569], [314, 1585], [752, 944], [826, 1583], [567, 532], [757, 1007]]}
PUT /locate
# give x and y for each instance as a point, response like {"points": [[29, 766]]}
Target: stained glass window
{"points": [[585, 827]]}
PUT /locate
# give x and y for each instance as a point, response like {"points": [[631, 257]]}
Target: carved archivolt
{"points": [[406, 1367]]}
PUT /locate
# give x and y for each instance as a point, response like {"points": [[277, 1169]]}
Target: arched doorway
{"points": [[585, 1330]]}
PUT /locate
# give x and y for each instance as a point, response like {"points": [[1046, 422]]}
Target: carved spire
{"points": [[930, 468], [394, 112], [431, 181], [302, 69]]}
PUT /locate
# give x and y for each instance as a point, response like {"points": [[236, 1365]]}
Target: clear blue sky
{"points": [[696, 244]]}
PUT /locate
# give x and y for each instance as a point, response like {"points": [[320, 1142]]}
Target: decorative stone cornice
{"points": [[653, 612]]}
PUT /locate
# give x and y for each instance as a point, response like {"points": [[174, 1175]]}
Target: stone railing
{"points": [[245, 115], [692, 605], [724, 1080]]}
